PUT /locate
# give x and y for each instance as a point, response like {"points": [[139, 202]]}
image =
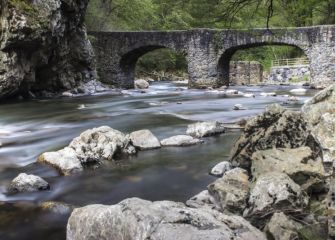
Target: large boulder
{"points": [[43, 47], [280, 227], [102, 143], [141, 84], [205, 129], [299, 164], [231, 191], [274, 191], [144, 140], [65, 161], [180, 141], [28, 183], [320, 113], [275, 128], [139, 219]]}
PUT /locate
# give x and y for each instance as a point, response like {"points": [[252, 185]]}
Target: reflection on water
{"points": [[29, 128]]}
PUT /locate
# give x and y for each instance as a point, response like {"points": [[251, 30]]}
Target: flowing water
{"points": [[29, 128]]}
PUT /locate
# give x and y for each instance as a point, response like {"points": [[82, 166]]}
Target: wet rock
{"points": [[249, 95], [219, 169], [92, 86], [320, 113], [280, 227], [202, 199], [139, 219], [65, 161], [180, 140], [268, 94], [67, 94], [28, 183], [275, 128], [144, 140], [299, 164], [205, 129], [274, 191], [141, 84], [57, 207], [100, 144], [231, 191], [239, 107], [299, 91]]}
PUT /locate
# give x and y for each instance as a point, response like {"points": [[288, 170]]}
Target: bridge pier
{"points": [[322, 63]]}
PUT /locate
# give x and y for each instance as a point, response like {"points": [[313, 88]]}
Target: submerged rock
{"points": [[280, 227], [275, 128], [65, 161], [57, 207], [180, 140], [144, 140], [205, 129], [219, 169], [299, 164], [141, 84], [139, 219], [231, 191], [28, 183], [102, 143], [274, 191]]}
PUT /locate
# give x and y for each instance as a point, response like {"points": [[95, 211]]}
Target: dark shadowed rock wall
{"points": [[44, 47]]}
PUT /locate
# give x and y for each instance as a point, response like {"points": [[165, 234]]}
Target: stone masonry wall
{"points": [[244, 72], [286, 74]]}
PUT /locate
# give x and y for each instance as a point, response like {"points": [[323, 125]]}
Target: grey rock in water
{"points": [[205, 129], [275, 128], [280, 227], [141, 84], [65, 161], [102, 143], [219, 169], [44, 47], [144, 140], [28, 183], [180, 141], [274, 191], [299, 164], [139, 219], [320, 113], [231, 191]]}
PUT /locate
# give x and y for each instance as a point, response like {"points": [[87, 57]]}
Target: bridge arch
{"points": [[129, 60], [223, 64]]}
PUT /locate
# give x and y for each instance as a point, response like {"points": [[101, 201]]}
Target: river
{"points": [[29, 128]]}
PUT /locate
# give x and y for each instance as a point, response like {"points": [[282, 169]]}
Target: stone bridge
{"points": [[208, 52]]}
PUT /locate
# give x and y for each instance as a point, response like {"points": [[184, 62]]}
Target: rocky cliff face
{"points": [[44, 47]]}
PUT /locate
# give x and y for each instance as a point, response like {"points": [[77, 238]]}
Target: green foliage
{"points": [[163, 61]]}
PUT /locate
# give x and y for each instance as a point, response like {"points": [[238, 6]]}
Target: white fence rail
{"points": [[289, 62]]}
